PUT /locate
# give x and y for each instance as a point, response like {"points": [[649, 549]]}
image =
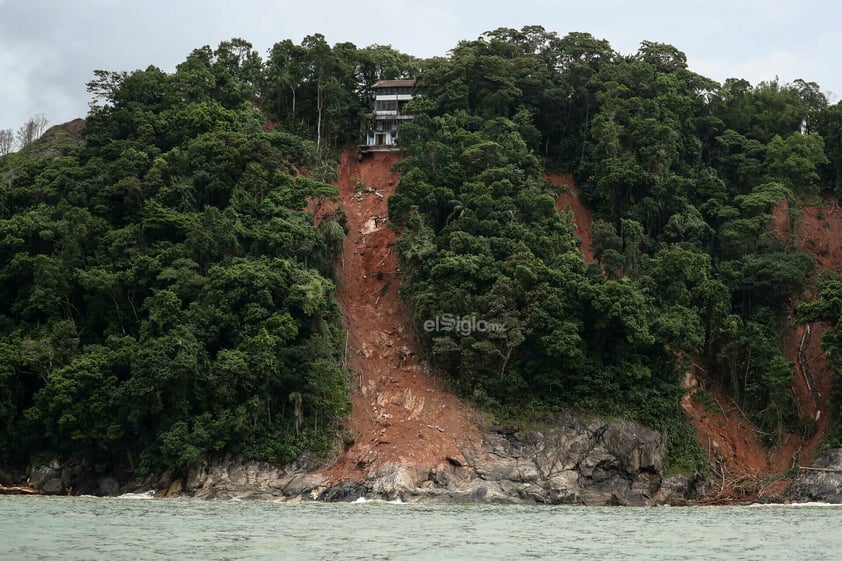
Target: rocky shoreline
{"points": [[822, 482], [593, 463], [590, 462]]}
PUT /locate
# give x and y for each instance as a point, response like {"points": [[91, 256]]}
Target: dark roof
{"points": [[395, 84]]}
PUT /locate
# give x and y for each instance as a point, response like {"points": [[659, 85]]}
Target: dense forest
{"points": [[167, 294], [682, 173], [164, 293]]}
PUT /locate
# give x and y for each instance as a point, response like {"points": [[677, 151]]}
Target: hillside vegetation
{"points": [[166, 294], [682, 174], [163, 292]]}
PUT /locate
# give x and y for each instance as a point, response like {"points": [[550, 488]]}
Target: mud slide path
{"points": [[731, 441], [817, 232], [571, 198], [401, 415]]}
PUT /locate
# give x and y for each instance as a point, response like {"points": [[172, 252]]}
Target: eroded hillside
{"points": [[401, 413], [739, 461]]}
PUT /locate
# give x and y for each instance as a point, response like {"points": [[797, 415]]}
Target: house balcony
{"points": [[380, 115]]}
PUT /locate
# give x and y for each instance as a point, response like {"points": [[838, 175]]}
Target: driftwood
{"points": [[4, 490], [829, 470]]}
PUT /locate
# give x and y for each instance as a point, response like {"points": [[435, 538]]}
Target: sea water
{"points": [[68, 529]]}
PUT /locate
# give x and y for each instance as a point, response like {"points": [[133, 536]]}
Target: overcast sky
{"points": [[50, 48]]}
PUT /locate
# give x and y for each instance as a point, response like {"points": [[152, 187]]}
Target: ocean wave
{"points": [[363, 500], [145, 495], [793, 505]]}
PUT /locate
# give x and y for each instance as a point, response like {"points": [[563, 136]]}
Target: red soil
{"points": [[818, 232], [746, 468], [401, 415], [581, 215], [741, 465]]}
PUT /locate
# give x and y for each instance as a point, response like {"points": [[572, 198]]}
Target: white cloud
{"points": [[49, 48]]}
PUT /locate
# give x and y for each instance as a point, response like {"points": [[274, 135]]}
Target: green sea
{"points": [[67, 529]]}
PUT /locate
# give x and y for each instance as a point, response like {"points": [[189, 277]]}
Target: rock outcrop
{"points": [[822, 484], [76, 477], [587, 462], [46, 478], [576, 461], [230, 477]]}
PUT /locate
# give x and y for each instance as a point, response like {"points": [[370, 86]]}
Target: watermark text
{"points": [[462, 325]]}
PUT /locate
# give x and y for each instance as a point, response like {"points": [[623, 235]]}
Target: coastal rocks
{"points": [[823, 483], [675, 490], [593, 462], [108, 486], [577, 461], [75, 477], [230, 477], [174, 489], [49, 478], [40, 475], [52, 487]]}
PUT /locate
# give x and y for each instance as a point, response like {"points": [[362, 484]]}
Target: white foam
{"points": [[793, 505], [145, 495], [363, 500]]}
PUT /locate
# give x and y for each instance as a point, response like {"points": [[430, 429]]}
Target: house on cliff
{"points": [[383, 124]]}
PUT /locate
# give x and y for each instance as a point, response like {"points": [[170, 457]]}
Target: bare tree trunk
{"points": [[31, 130], [298, 411], [319, 103], [7, 142], [293, 102]]}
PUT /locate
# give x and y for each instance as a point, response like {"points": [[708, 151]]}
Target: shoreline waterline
{"points": [[53, 528]]}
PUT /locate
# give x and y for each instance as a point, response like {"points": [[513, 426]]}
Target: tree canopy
{"points": [[683, 175], [166, 294]]}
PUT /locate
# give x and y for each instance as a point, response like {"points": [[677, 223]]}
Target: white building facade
{"points": [[390, 96]]}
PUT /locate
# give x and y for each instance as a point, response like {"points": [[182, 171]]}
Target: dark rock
{"points": [[52, 487], [232, 477], [67, 477], [197, 476], [108, 486], [40, 474], [86, 483], [831, 459], [453, 461], [164, 481], [345, 492], [818, 485], [306, 484], [576, 461], [174, 489], [590, 462]]}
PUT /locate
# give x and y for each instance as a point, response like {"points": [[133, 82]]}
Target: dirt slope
{"points": [[581, 215], [744, 466], [741, 467], [401, 414], [818, 232]]}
